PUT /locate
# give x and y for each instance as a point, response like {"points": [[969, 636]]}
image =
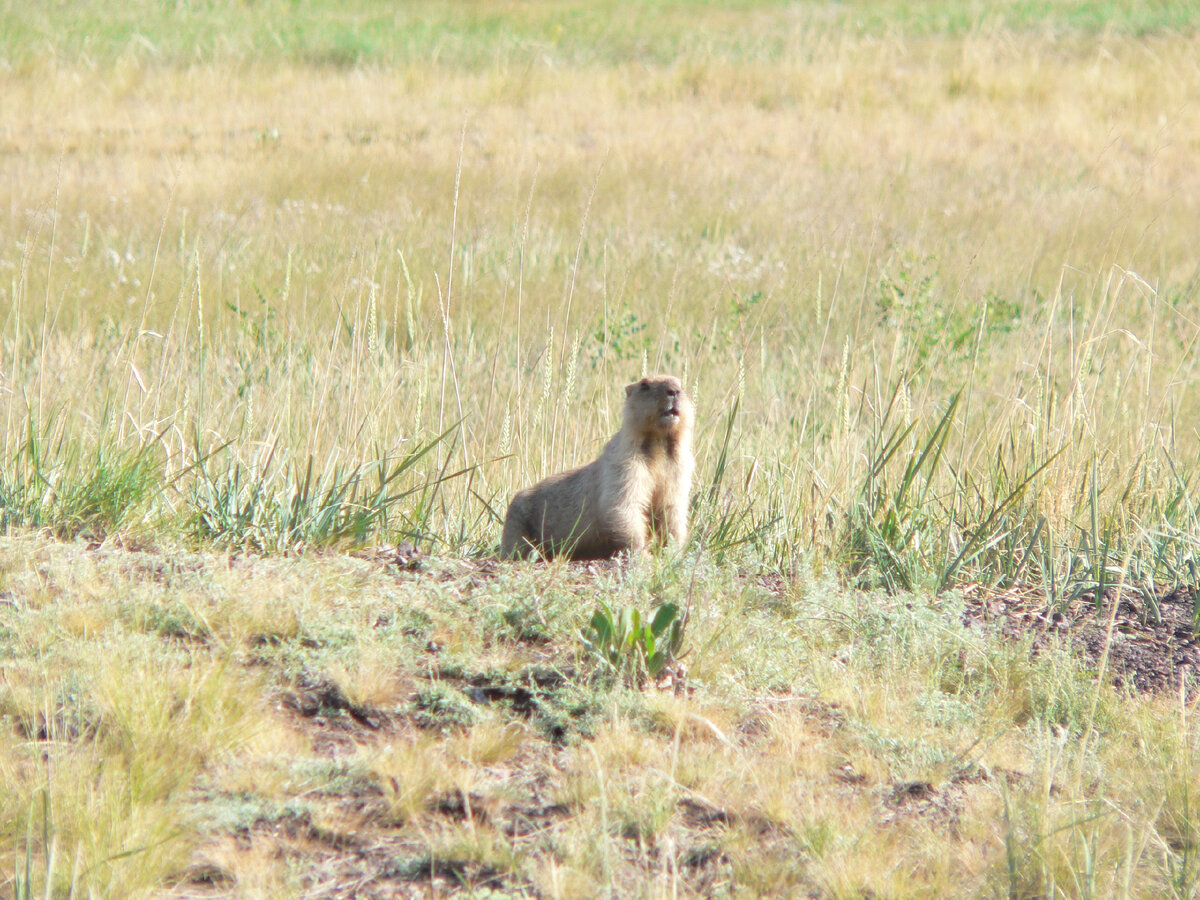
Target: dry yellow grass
{"points": [[350, 260], [281, 256], [819, 751]]}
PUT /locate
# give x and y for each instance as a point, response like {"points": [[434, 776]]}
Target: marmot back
{"points": [[639, 486]]}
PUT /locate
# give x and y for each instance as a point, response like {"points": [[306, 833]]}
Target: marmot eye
{"points": [[644, 386]]}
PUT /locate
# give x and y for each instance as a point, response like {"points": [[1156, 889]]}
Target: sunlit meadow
{"points": [[279, 280]]}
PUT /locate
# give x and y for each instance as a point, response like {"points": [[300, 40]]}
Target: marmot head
{"points": [[658, 403]]}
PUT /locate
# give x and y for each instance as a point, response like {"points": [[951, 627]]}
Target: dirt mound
{"points": [[1153, 644]]}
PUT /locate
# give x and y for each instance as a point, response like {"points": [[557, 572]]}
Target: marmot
{"points": [[640, 484]]}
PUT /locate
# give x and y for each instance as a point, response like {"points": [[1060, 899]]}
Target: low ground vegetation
{"points": [[397, 725]]}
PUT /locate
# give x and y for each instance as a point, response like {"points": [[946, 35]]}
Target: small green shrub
{"points": [[440, 707]]}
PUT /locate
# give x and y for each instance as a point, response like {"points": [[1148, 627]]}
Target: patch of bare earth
{"points": [[349, 844], [1146, 641]]}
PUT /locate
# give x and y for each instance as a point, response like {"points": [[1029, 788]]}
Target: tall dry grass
{"points": [[265, 270]]}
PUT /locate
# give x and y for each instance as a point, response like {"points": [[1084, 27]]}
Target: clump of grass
{"points": [[727, 517], [50, 481], [888, 527], [903, 529], [276, 506], [24, 882]]}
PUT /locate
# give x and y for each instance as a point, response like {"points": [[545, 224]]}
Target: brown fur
{"points": [[638, 488]]}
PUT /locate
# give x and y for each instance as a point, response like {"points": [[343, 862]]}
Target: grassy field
{"points": [[281, 282]]}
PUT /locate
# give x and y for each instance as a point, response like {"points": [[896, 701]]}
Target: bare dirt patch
{"points": [[1152, 644]]}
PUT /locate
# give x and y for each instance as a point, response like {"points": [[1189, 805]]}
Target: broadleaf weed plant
{"points": [[631, 647]]}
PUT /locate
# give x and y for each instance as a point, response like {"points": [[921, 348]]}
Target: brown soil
{"points": [[1152, 646]]}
